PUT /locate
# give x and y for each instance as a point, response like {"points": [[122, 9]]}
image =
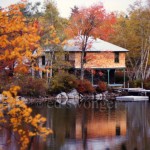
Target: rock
{"points": [[68, 98], [99, 96], [62, 98], [73, 101], [73, 94], [73, 97]]}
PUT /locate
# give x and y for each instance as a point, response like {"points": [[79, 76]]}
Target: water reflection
{"points": [[88, 126], [138, 123], [95, 126]]}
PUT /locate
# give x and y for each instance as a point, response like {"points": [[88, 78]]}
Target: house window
{"points": [[116, 60], [66, 57], [43, 60]]}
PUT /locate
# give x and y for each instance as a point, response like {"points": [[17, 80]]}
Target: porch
{"points": [[114, 77]]}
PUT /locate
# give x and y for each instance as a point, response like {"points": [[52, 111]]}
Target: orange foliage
{"points": [[88, 23], [20, 119], [102, 86], [92, 21], [84, 86], [18, 39]]}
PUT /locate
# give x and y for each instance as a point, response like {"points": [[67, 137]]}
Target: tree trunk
{"points": [[84, 46], [82, 65]]}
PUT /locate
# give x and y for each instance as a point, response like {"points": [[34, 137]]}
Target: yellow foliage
{"points": [[18, 39], [20, 119]]}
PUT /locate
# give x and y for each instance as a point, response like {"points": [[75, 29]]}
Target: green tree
{"points": [[52, 38]]}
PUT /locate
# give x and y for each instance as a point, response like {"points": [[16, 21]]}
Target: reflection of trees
{"points": [[138, 124], [84, 129], [63, 125], [8, 140], [62, 122]]}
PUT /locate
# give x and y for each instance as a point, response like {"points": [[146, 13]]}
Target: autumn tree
{"points": [[16, 117], [132, 32], [74, 10], [86, 23], [18, 39]]}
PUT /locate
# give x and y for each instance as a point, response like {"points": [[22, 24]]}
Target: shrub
{"points": [[135, 83], [84, 86], [102, 86], [5, 82], [147, 83], [32, 86], [62, 82], [29, 86]]}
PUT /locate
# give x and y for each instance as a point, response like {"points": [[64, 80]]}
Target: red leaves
{"points": [[102, 86], [92, 21], [84, 86]]}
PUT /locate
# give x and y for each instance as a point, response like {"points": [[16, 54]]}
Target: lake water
{"points": [[95, 126]]}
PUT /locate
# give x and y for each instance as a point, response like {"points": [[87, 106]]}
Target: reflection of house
{"points": [[100, 125], [102, 57]]}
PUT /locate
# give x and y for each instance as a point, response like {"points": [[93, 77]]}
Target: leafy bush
{"points": [[135, 84], [102, 86], [32, 86], [84, 86], [5, 82], [62, 82], [29, 86], [147, 83]]}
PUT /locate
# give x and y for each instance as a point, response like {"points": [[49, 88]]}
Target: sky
{"points": [[64, 6]]}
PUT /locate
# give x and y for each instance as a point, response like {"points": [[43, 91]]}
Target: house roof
{"points": [[96, 45]]}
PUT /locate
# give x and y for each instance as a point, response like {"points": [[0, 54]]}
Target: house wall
{"points": [[72, 56], [100, 60]]}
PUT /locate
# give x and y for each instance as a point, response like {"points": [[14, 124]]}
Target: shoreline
{"points": [[86, 97]]}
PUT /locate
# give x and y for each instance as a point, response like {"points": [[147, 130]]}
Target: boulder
{"points": [[99, 96], [62, 98], [73, 94]]}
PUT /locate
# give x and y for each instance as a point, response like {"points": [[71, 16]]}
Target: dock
{"points": [[136, 92], [132, 98]]}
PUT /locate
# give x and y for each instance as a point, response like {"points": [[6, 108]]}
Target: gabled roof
{"points": [[96, 45]]}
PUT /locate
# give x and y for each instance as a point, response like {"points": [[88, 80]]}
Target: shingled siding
{"points": [[100, 60]]}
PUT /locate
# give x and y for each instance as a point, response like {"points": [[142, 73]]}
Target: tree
{"points": [[89, 22], [74, 10], [133, 32], [16, 117], [51, 18], [32, 10], [52, 38], [18, 39]]}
